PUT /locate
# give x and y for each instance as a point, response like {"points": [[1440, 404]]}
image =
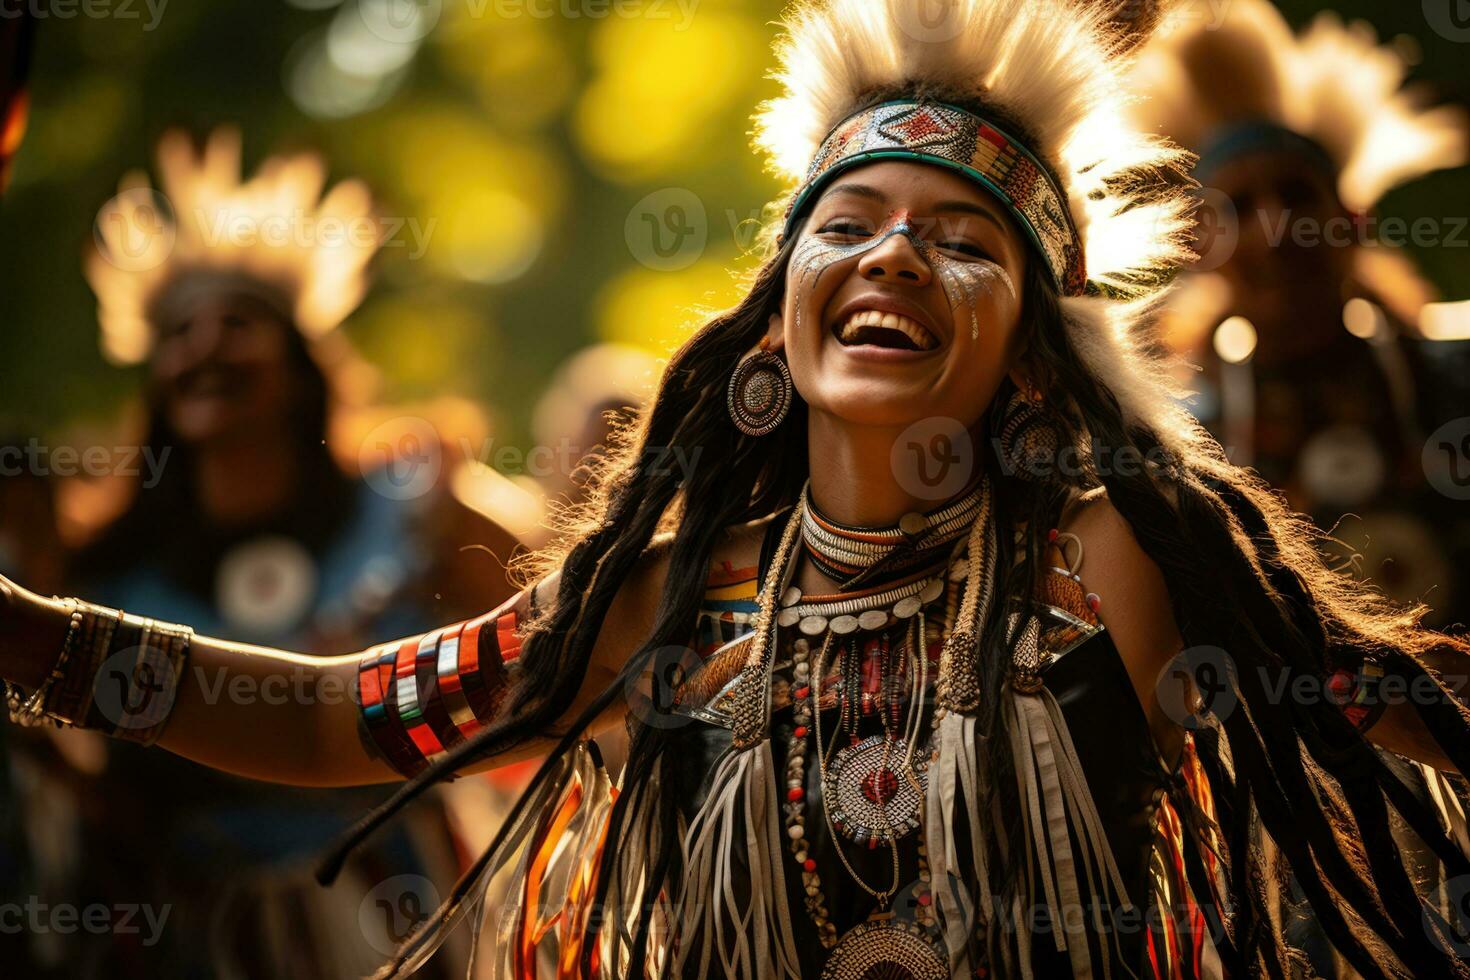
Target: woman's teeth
{"points": [[873, 327]]}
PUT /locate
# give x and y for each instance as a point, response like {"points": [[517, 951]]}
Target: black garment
{"points": [[1123, 772]]}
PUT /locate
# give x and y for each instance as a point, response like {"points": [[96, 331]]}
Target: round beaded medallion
{"points": [[871, 799], [886, 949]]}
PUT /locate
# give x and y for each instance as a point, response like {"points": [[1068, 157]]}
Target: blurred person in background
{"points": [[1321, 363], [1325, 359], [230, 293]]}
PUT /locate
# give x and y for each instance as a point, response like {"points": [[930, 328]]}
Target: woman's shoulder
{"points": [[1100, 547], [1132, 596]]}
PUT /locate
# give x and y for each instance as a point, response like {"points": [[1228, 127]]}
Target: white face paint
{"points": [[964, 281]]}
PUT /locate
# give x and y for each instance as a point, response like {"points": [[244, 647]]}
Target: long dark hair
{"points": [[1244, 575]]}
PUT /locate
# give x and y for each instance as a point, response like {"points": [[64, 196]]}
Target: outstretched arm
{"points": [[291, 718]]}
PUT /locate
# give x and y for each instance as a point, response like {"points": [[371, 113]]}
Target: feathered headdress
{"points": [[1085, 182], [1209, 85], [273, 236]]}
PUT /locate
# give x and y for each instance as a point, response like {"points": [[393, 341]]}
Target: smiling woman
{"points": [[916, 622]]}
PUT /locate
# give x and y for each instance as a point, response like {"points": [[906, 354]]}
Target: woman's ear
{"points": [[1020, 376], [775, 332]]}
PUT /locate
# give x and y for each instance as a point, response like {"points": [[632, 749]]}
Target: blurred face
{"points": [[903, 297], [224, 371], [1283, 204]]}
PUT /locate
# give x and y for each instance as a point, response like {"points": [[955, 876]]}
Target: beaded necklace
{"points": [[873, 789], [856, 555]]}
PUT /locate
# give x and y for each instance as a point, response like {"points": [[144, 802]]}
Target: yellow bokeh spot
{"points": [[484, 201], [519, 67], [423, 344], [1235, 340], [658, 311], [662, 86]]}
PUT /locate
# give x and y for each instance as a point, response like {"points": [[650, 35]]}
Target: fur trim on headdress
{"points": [[1332, 83], [274, 236], [1054, 66]]}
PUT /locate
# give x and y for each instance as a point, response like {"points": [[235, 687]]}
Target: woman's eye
{"points": [[843, 227], [964, 248]]}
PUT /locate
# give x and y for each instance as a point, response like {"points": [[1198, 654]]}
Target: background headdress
{"points": [[1332, 83], [1054, 68], [274, 236], [1331, 92]]}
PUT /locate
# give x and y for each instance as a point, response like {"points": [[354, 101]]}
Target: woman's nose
{"points": [[895, 259], [204, 338]]}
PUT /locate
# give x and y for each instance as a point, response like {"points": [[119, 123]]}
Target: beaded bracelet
{"points": [[30, 710], [117, 674], [421, 696]]}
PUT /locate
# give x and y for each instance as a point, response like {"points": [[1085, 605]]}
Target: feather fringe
{"points": [[468, 896], [544, 919]]}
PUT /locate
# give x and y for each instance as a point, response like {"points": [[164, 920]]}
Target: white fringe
{"points": [[954, 783], [1057, 799], [757, 941]]}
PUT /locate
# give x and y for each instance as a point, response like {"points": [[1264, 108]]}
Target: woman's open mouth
{"points": [[875, 328]]}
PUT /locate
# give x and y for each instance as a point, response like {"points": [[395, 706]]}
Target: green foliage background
{"points": [[576, 117]]}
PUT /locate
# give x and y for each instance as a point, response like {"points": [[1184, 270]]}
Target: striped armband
{"points": [[1357, 693], [422, 696]]}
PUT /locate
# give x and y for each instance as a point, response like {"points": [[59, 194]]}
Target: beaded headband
{"points": [[946, 135]]}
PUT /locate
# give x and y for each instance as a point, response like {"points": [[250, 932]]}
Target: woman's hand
{"points": [[32, 630]]}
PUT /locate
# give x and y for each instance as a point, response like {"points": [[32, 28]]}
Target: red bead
{"points": [[809, 865], [1093, 601], [880, 786], [925, 899], [1051, 535], [795, 793], [803, 691], [800, 731]]}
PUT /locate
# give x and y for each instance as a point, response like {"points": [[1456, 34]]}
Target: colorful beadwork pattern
{"points": [[426, 694], [950, 136]]}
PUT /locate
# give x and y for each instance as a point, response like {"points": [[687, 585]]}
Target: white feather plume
{"points": [[1057, 67]]}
